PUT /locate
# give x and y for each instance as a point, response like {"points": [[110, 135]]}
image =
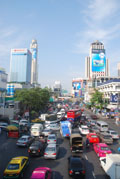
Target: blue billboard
{"points": [[76, 85], [98, 62], [34, 53], [114, 98]]}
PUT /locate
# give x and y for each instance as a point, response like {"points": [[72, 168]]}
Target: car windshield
{"points": [[104, 148], [34, 129], [93, 136], [23, 139], [50, 149], [51, 137], [35, 143], [76, 164], [114, 133], [107, 136], [105, 126], [13, 166]]}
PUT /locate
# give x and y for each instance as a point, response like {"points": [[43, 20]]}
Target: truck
{"points": [[65, 128], [76, 142], [36, 130], [111, 165]]}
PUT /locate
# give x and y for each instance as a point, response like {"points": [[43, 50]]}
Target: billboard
{"points": [[76, 85], [98, 62], [34, 53], [114, 98]]}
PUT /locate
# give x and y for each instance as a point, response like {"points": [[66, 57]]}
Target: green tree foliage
{"points": [[98, 100], [33, 99]]}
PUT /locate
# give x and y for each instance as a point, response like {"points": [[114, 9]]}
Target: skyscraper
{"points": [[20, 65], [96, 65], [34, 70]]}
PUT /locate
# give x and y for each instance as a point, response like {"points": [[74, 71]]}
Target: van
{"points": [[36, 130], [102, 126]]}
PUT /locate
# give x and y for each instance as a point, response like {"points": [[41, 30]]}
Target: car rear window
{"points": [[50, 149], [51, 137], [93, 136], [76, 164], [107, 137], [104, 148], [13, 166]]}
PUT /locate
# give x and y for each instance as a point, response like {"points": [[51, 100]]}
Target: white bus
{"points": [[102, 126]]}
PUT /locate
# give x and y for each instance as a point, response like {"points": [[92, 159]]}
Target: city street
{"points": [[8, 149]]}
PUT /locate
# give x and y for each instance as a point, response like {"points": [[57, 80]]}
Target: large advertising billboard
{"points": [[76, 85], [98, 62], [34, 53]]}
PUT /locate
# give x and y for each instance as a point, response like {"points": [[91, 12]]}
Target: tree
{"points": [[98, 100], [34, 99]]}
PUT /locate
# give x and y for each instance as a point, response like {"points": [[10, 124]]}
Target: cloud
{"points": [[101, 9]]}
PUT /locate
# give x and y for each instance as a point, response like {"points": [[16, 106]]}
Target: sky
{"points": [[64, 30]]}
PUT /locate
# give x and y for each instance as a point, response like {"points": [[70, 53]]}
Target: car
{"points": [[47, 131], [92, 122], [105, 138], [94, 117], [84, 129], [54, 126], [94, 129], [36, 148], [16, 167], [42, 173], [101, 149], [113, 134], [25, 141], [51, 139], [51, 151], [76, 167], [23, 122], [3, 125], [93, 138]]}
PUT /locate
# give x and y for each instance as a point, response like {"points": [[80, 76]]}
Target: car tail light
{"points": [[45, 154], [55, 140], [83, 171], [70, 172], [39, 150], [24, 143], [71, 148], [48, 140], [29, 150], [54, 154]]}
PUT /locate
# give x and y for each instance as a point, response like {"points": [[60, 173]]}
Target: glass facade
{"points": [[20, 65]]}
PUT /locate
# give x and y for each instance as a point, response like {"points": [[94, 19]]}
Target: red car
{"points": [[93, 138]]}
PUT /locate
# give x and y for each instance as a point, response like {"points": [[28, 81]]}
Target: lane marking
{"points": [[93, 174], [86, 157]]}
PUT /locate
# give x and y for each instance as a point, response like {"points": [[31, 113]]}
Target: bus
{"points": [[73, 115]]}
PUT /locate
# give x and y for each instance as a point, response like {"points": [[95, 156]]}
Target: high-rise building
{"points": [[96, 65], [34, 70], [20, 65], [118, 67]]}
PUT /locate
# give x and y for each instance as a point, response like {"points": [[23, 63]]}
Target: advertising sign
{"points": [[114, 98], [34, 53], [98, 62], [76, 85]]}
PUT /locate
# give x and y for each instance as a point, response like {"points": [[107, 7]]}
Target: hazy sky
{"points": [[64, 30]]}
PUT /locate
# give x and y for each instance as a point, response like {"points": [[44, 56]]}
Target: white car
{"points": [[25, 141], [46, 131], [23, 122], [84, 130], [52, 139], [113, 134], [51, 151]]}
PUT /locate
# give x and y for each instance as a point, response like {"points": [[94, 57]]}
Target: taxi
{"points": [[101, 149], [16, 167], [42, 173], [93, 138]]}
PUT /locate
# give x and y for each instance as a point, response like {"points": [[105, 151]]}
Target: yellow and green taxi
{"points": [[15, 168]]}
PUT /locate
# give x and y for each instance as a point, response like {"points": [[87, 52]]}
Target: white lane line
{"points": [[93, 174], [86, 157]]}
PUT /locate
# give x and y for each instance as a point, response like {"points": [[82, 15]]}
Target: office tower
{"points": [[20, 66], [34, 70], [118, 67], [96, 65]]}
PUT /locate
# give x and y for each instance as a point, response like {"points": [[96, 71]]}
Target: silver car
{"points": [[51, 151], [52, 139], [25, 141], [113, 134], [47, 132]]}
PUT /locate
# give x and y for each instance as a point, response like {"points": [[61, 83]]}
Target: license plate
{"points": [[10, 175], [77, 172], [33, 151]]}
